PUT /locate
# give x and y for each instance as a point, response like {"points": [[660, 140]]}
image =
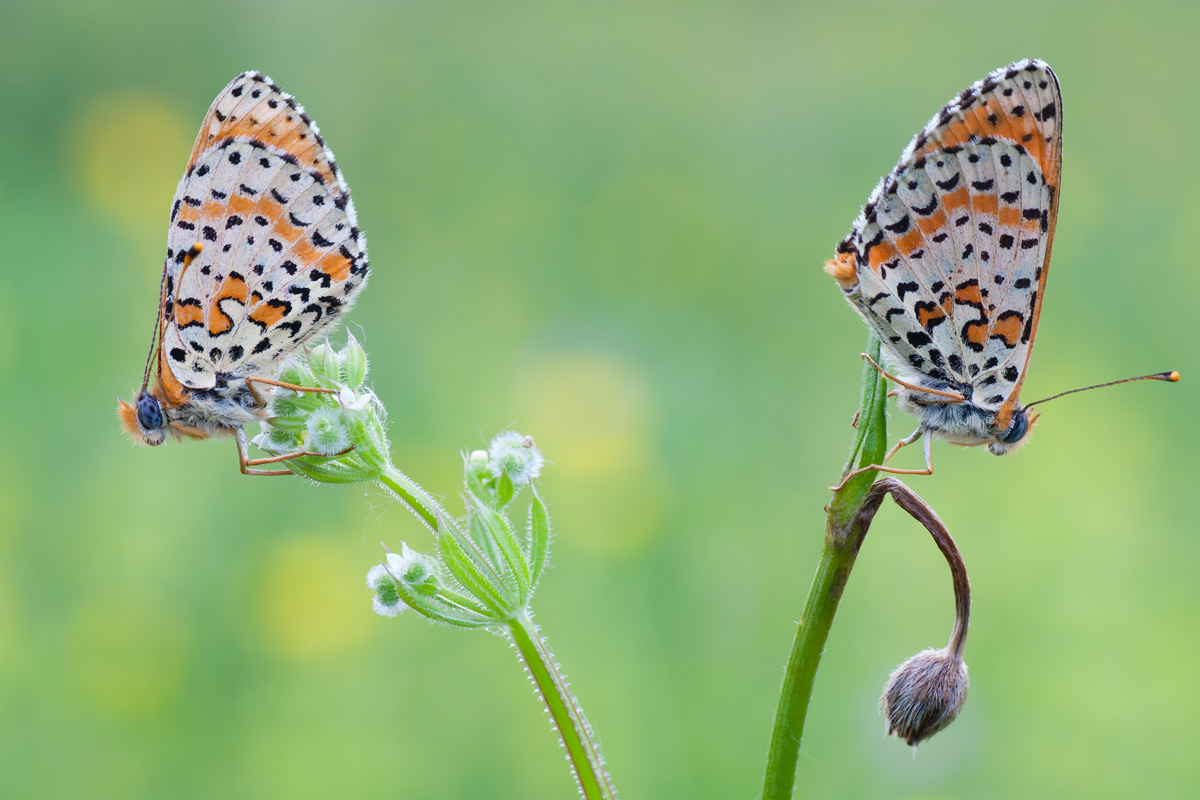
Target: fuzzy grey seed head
{"points": [[924, 695]]}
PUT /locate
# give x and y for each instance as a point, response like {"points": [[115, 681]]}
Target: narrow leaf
{"points": [[505, 538], [497, 598], [539, 537]]}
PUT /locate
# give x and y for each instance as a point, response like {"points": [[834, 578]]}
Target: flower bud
{"points": [[515, 455], [387, 601], [417, 571], [477, 475], [924, 695], [346, 427], [323, 360], [326, 431], [354, 363]]}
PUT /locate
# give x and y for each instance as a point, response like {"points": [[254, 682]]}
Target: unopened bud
{"points": [[517, 456], [924, 695], [327, 433], [416, 570]]}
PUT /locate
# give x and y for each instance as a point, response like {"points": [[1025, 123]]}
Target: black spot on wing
{"points": [[918, 338]]}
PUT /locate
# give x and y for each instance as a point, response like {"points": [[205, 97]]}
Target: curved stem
{"points": [[907, 499], [413, 496], [843, 535], [566, 714]]}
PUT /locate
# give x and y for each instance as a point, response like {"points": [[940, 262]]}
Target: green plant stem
{"points": [[565, 712], [843, 535], [414, 497]]}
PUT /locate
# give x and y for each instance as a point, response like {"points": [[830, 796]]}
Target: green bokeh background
{"points": [[603, 224]]}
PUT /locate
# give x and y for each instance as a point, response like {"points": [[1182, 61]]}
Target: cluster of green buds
{"points": [[485, 571], [341, 429]]}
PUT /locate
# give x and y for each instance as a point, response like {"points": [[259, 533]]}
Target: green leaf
{"points": [[504, 490], [539, 537], [479, 533], [437, 608], [471, 479], [354, 365], [474, 576], [501, 532], [870, 441]]}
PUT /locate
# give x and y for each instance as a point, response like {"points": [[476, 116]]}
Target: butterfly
{"points": [[948, 260], [263, 253]]}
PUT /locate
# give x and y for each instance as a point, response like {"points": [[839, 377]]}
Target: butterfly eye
{"points": [[149, 413], [1017, 430]]}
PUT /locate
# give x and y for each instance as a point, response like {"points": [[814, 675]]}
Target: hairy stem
{"points": [[844, 529], [583, 753], [416, 498], [565, 712]]}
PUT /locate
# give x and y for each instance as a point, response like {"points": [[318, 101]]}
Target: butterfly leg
{"points": [[245, 462], [263, 403], [917, 434], [243, 450], [951, 397]]}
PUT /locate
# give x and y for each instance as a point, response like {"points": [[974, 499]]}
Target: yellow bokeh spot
{"points": [[312, 597], [129, 150], [592, 415], [591, 407], [127, 657]]}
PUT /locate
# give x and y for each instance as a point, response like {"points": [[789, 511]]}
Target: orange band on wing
{"points": [[910, 241], [932, 224], [880, 254], [985, 203], [267, 315], [1008, 327], [956, 199]]}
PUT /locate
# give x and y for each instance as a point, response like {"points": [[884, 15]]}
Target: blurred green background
{"points": [[602, 224]]}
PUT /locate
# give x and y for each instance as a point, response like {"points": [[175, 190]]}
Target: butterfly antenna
{"points": [[1171, 376], [188, 257]]}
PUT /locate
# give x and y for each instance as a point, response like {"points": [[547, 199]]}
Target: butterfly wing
{"points": [[282, 255], [948, 260]]}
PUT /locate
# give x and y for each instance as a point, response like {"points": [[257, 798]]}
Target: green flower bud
{"points": [[354, 363], [345, 427], [326, 431], [406, 570], [516, 456]]}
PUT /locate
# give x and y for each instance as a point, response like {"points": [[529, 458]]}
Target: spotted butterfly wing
{"points": [[263, 252], [947, 262], [282, 253]]}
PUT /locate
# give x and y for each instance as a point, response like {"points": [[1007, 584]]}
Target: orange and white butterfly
{"points": [[263, 252], [947, 262]]}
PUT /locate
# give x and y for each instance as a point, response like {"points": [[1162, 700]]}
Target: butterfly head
{"points": [[144, 420], [1016, 434]]}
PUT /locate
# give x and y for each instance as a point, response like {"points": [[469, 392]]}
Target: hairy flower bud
{"points": [[924, 695], [517, 456], [326, 431], [344, 424], [417, 571]]}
